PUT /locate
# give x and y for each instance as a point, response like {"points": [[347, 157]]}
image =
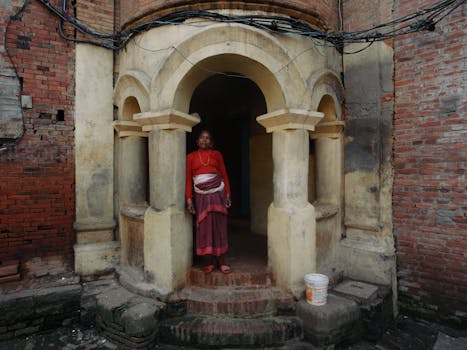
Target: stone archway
{"points": [[290, 116]]}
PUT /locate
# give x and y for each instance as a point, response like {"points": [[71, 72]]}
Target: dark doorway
{"points": [[228, 105]]}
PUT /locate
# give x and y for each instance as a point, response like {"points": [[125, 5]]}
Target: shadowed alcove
{"points": [[228, 105]]}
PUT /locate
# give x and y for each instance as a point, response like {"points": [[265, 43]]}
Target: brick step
{"points": [[258, 278], [9, 271], [234, 302], [215, 332]]}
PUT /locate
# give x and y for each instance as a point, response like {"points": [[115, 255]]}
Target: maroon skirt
{"points": [[211, 221]]}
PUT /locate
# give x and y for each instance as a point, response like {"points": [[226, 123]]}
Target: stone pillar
{"points": [[132, 179], [167, 225], [329, 202], [291, 218], [96, 250], [329, 162], [132, 162]]}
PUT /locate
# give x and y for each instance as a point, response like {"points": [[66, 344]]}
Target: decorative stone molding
{"points": [[289, 119], [128, 128], [133, 83], [328, 129], [166, 120]]}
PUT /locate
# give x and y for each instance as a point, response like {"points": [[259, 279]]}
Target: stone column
{"points": [[132, 179], [329, 161], [96, 250], [167, 225], [132, 162], [329, 202], [291, 218]]}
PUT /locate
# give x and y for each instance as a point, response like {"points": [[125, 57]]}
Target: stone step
{"points": [[258, 278], [234, 302], [215, 332]]}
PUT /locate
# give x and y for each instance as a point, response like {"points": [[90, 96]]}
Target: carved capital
{"points": [[169, 119], [290, 119], [328, 130], [126, 128]]}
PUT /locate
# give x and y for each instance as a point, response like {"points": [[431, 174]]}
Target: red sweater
{"points": [[196, 166]]}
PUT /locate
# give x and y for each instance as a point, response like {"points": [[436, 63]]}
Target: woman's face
{"points": [[204, 140]]}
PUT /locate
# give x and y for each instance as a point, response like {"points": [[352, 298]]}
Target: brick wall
{"points": [[321, 13], [37, 172], [430, 158], [97, 14]]}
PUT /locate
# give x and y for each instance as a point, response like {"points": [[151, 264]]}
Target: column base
{"points": [[292, 245], [96, 258], [168, 242], [94, 231]]}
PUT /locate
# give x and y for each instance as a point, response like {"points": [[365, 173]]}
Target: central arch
{"points": [[229, 48], [287, 114], [261, 58], [228, 105]]}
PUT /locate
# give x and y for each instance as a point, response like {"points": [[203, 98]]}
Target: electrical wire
{"points": [[425, 19]]}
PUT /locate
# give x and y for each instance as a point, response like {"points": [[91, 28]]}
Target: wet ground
{"points": [[73, 338], [406, 334]]}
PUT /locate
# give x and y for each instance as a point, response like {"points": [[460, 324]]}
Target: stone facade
{"points": [[381, 184]]}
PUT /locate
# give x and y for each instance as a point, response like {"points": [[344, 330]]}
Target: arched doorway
{"points": [[169, 83], [228, 104]]}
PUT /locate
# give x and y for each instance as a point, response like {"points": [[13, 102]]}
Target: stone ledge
{"points": [[96, 258], [325, 210], [217, 333], [127, 318], [135, 211], [34, 310], [332, 323], [232, 302]]}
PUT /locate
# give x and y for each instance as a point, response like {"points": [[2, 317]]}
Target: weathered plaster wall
{"points": [[11, 118], [96, 250], [95, 223], [368, 247]]}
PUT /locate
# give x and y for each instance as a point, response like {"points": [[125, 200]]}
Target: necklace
{"points": [[201, 160]]}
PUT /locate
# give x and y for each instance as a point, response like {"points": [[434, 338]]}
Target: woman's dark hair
{"points": [[210, 134]]}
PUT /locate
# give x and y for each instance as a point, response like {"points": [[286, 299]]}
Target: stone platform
{"points": [[354, 310], [29, 311], [123, 309], [238, 310]]}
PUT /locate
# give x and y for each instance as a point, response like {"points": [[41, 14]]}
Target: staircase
{"points": [[238, 310]]}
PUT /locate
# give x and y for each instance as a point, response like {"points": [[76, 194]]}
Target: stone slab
{"points": [[127, 315], [360, 290], [336, 321], [11, 278], [445, 341], [325, 318], [218, 332]]}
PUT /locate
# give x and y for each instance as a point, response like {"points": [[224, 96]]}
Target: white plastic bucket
{"points": [[316, 288]]}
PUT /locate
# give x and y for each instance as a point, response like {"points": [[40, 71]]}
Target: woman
{"points": [[206, 174]]}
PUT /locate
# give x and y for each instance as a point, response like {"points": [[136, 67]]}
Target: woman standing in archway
{"points": [[206, 174]]}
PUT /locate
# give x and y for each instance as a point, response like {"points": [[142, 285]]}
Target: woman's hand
{"points": [[228, 202], [189, 205]]}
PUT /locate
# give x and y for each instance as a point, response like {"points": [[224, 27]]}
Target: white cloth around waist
{"points": [[199, 179]]}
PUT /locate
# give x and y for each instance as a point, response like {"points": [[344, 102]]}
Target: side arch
{"points": [[326, 83], [229, 48], [133, 83]]}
